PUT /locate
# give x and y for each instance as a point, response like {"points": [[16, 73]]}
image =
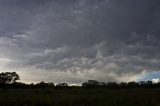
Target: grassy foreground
{"points": [[79, 97]]}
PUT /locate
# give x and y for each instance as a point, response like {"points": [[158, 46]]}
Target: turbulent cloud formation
{"points": [[76, 40]]}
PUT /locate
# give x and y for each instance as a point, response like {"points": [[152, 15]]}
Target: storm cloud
{"points": [[76, 40]]}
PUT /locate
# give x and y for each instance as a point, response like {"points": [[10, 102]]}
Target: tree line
{"points": [[9, 80]]}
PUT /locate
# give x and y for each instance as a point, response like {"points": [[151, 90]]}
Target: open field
{"points": [[79, 97]]}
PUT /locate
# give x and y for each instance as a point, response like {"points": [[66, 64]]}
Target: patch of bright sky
{"points": [[152, 76]]}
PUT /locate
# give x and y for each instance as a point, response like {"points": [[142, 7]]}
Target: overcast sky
{"points": [[76, 40]]}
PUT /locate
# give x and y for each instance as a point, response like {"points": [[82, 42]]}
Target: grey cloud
{"points": [[114, 38]]}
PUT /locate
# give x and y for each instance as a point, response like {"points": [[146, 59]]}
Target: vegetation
{"points": [[8, 77], [91, 93], [79, 97]]}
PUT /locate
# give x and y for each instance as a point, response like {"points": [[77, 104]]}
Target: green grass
{"points": [[79, 97]]}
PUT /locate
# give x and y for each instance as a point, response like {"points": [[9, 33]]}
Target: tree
{"points": [[8, 77], [91, 84], [132, 84], [44, 84], [112, 85], [62, 84]]}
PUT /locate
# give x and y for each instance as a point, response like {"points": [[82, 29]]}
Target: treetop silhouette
{"points": [[8, 77]]}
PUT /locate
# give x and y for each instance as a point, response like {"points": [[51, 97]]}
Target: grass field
{"points": [[79, 97]]}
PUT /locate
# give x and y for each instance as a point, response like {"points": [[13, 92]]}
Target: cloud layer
{"points": [[76, 40]]}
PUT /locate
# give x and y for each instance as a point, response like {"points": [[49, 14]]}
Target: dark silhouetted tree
{"points": [[8, 77], [132, 84], [149, 84], [91, 84], [62, 84], [112, 85], [123, 85]]}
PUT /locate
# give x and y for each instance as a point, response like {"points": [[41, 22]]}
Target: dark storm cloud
{"points": [[100, 39]]}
